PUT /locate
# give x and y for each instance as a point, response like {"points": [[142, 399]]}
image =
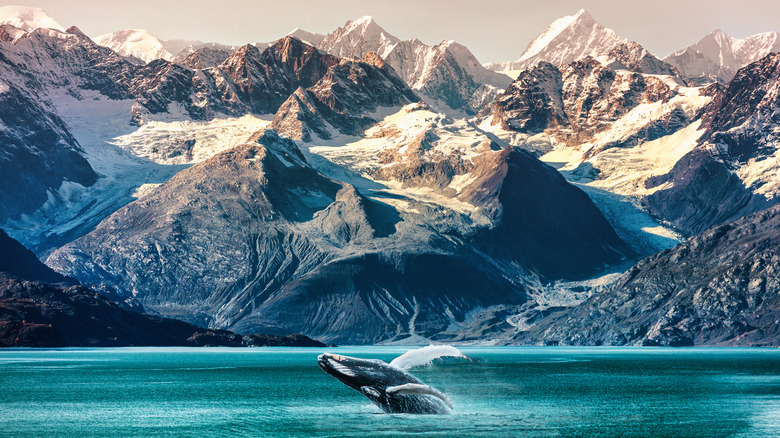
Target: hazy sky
{"points": [[495, 30]]}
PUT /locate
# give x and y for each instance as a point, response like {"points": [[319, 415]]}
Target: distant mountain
{"points": [[142, 45], [137, 43], [579, 36], [718, 56], [719, 288], [446, 74], [566, 40], [358, 37], [306, 36], [27, 18]]}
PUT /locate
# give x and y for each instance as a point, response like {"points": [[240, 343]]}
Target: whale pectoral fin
{"points": [[414, 388], [424, 355]]}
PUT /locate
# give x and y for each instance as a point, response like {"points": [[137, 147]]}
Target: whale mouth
{"points": [[332, 364]]}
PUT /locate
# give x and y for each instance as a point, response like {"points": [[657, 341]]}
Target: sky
{"points": [[494, 30]]}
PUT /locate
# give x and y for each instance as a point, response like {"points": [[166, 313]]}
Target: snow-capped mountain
{"points": [[735, 168], [358, 37], [567, 39], [27, 18], [257, 239], [141, 44], [306, 36], [285, 188], [718, 56], [446, 74], [342, 100]]}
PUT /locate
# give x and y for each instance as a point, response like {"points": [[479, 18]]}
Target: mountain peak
{"points": [[28, 18], [358, 37], [364, 20], [306, 36], [139, 43], [719, 32], [583, 13], [717, 56], [570, 38]]}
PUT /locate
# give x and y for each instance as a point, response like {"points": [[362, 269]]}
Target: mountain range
{"points": [[359, 188]]}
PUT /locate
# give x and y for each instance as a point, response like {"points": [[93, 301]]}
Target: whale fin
{"points": [[424, 355], [414, 388]]}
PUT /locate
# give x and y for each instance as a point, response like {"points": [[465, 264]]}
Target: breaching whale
{"points": [[390, 386]]}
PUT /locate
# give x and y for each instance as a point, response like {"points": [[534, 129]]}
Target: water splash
{"points": [[424, 356]]}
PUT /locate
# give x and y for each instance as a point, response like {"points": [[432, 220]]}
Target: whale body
{"points": [[389, 386]]}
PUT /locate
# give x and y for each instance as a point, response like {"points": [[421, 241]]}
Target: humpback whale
{"points": [[390, 386]]}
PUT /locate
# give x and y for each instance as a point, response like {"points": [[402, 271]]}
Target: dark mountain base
{"points": [[34, 314], [719, 288]]}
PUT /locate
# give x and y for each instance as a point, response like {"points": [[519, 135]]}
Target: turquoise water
{"points": [[549, 391]]}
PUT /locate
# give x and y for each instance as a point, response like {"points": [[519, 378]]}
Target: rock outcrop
{"points": [[575, 102], [344, 99]]}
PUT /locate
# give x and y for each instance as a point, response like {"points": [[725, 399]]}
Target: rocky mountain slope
{"points": [[342, 100], [40, 308], [718, 56], [38, 153], [254, 239], [720, 288], [736, 160], [576, 102]]}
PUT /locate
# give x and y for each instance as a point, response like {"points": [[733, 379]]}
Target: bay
{"points": [[501, 391]]}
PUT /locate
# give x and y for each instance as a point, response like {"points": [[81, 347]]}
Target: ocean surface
{"points": [[506, 391]]}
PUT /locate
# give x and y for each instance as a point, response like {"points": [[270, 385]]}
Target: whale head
{"points": [[390, 388]]}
